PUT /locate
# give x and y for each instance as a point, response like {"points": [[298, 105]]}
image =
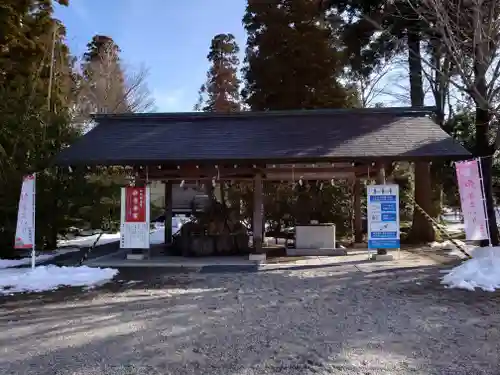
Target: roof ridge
{"points": [[193, 116]]}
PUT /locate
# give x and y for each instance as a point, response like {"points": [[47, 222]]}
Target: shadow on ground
{"points": [[329, 319]]}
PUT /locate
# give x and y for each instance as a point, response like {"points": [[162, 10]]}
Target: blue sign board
{"points": [[383, 217]]}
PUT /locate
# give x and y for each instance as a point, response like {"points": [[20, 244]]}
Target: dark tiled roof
{"points": [[392, 134]]}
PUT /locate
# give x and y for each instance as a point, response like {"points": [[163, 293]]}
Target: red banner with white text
{"points": [[135, 204]]}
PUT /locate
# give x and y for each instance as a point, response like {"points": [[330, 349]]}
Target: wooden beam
{"points": [[258, 214], [358, 222], [168, 213], [277, 174]]}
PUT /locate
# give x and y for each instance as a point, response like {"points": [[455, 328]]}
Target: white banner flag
{"points": [[472, 200], [25, 230]]}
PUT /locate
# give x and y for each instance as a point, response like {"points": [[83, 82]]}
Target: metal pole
{"points": [[33, 253], [478, 160], [148, 219], [367, 219], [51, 72]]}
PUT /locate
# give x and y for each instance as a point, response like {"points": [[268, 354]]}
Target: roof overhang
{"points": [[344, 135]]}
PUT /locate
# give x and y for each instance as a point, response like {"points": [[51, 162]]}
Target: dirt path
{"points": [[323, 320]]}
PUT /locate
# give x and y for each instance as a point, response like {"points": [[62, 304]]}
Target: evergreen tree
{"points": [[102, 87], [25, 27], [102, 45], [221, 91], [291, 59], [35, 92], [374, 31]]}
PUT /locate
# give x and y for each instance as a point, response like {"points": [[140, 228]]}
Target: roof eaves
{"points": [[333, 159]]}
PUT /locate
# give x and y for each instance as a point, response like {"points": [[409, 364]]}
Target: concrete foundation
{"points": [[381, 257], [257, 257], [136, 256], [316, 252]]}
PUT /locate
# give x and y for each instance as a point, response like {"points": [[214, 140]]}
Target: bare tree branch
{"points": [[469, 33], [105, 86]]}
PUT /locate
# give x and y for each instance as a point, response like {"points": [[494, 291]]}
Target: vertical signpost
{"points": [[135, 217], [383, 217], [472, 200], [25, 229]]}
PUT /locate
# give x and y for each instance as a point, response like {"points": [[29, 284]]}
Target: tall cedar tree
{"points": [[367, 46], [34, 98], [291, 61], [24, 24], [221, 92], [103, 77]]}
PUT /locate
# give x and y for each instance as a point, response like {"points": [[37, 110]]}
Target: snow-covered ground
{"points": [[453, 222], [482, 271], [82, 241], [157, 236], [45, 278], [65, 246], [8, 263]]}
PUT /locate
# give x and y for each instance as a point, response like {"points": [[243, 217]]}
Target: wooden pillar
{"points": [[168, 212], [381, 176], [258, 214], [358, 221]]}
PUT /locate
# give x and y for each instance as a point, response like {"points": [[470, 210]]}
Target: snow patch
{"points": [[8, 263], [447, 245], [482, 271], [45, 278], [67, 246], [84, 241], [157, 236]]}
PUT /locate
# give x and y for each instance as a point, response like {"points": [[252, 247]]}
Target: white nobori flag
{"points": [[25, 230]]}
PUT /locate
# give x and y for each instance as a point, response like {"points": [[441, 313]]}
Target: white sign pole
{"points": [[33, 252], [25, 229], [487, 219], [122, 218]]}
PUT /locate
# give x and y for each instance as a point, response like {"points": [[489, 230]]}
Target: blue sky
{"points": [[170, 37]]}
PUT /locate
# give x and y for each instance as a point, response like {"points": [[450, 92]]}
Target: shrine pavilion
{"points": [[262, 146]]}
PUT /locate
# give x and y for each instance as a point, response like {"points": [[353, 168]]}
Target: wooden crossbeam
{"points": [[280, 173]]}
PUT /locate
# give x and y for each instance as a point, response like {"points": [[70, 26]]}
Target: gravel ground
{"points": [[316, 320]]}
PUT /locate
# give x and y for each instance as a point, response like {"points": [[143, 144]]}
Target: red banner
{"points": [[135, 204]]}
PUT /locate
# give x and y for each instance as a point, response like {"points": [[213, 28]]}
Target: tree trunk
{"points": [[483, 148], [440, 89], [209, 190], [483, 117], [437, 189], [421, 230]]}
